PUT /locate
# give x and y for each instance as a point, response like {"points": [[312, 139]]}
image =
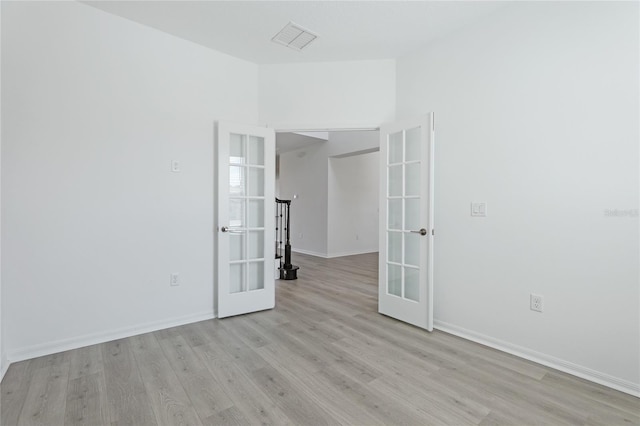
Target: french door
{"points": [[406, 222], [245, 219]]}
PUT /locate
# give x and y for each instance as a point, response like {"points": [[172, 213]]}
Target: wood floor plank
{"points": [[592, 392], [14, 389], [203, 390], [501, 399], [438, 404], [87, 401], [241, 354], [320, 390], [382, 407], [46, 399], [242, 329], [293, 401], [168, 398], [85, 361], [50, 360], [126, 394], [248, 398], [232, 416], [333, 355]]}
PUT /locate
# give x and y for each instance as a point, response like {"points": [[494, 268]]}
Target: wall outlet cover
{"points": [[478, 209], [175, 279], [536, 302]]}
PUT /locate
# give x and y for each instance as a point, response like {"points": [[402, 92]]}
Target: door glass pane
{"points": [[395, 148], [236, 277], [395, 181], [236, 213], [411, 249], [237, 182], [256, 182], [394, 249], [395, 214], [256, 245], [236, 149], [255, 214], [236, 247], [394, 280], [256, 275], [412, 214], [256, 150], [412, 284], [413, 144], [412, 179]]}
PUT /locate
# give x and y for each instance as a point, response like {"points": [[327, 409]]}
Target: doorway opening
{"points": [[326, 166], [332, 180]]}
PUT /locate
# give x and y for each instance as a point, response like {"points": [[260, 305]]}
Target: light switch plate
{"points": [[478, 209]]}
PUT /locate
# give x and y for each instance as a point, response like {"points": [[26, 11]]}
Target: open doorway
{"points": [[405, 215], [332, 181]]}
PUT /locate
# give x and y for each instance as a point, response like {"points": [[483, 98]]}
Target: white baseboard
{"points": [[101, 337], [332, 255], [309, 252], [351, 253], [556, 363], [4, 362]]}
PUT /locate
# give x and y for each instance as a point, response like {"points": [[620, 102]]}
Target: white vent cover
{"points": [[294, 36]]}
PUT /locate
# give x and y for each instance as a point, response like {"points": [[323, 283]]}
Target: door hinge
{"points": [[433, 232]]}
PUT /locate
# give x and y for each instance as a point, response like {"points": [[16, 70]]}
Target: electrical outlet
{"points": [[175, 166], [536, 302], [175, 279]]}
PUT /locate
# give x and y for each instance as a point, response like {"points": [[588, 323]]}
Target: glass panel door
{"points": [[246, 181], [246, 212], [406, 221]]}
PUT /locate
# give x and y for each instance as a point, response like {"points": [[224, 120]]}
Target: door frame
{"points": [[306, 127]]}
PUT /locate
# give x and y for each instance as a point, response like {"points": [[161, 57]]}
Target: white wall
{"points": [[3, 356], [350, 143], [303, 172], [353, 204], [536, 113], [95, 107], [327, 95]]}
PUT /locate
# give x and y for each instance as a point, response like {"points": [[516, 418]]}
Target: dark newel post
{"points": [[287, 271]]}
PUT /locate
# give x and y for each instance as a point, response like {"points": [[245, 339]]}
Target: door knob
{"points": [[421, 232], [231, 230]]}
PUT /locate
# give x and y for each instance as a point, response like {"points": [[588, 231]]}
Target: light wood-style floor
{"points": [[322, 356]]}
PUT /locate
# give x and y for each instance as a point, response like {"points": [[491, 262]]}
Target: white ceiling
{"points": [[348, 30]]}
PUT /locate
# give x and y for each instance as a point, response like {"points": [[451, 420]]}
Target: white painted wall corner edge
{"points": [[543, 359], [102, 337]]}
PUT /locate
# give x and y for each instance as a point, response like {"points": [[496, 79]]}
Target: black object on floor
{"points": [[287, 270]]}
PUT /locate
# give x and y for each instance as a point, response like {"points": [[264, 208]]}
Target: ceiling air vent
{"points": [[294, 36]]}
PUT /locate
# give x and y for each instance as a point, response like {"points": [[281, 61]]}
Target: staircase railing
{"points": [[283, 224]]}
